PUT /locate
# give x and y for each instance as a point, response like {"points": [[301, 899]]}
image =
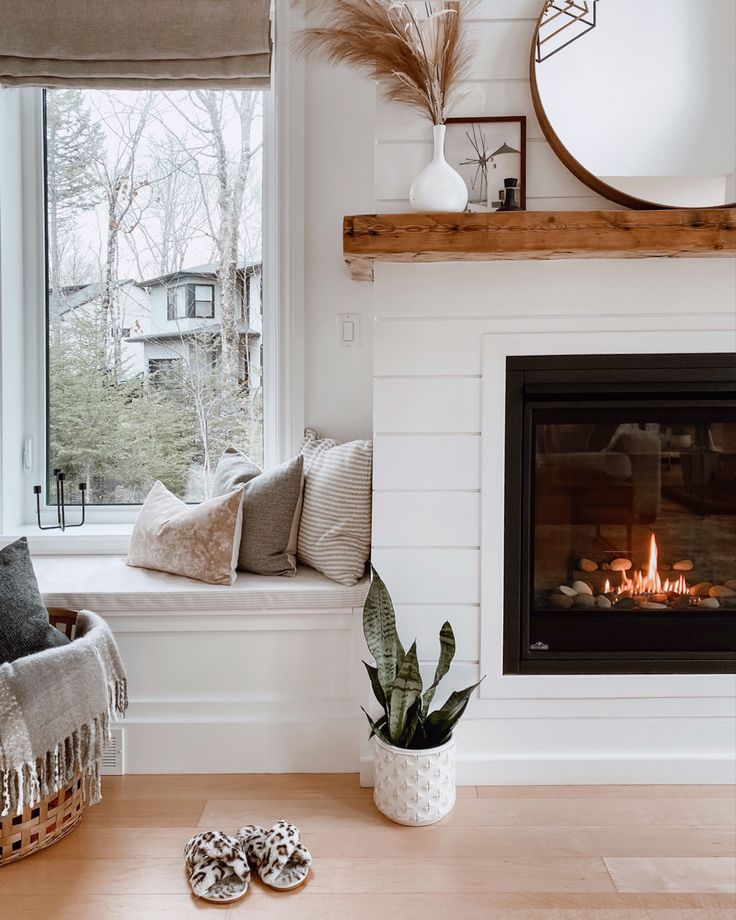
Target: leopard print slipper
{"points": [[281, 860], [218, 867]]}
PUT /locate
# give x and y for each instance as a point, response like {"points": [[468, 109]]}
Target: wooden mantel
{"points": [[444, 237]]}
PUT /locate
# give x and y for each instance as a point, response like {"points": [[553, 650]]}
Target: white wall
{"points": [[432, 482], [426, 366], [339, 180]]}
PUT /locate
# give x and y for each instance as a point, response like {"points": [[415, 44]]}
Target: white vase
{"points": [[438, 187], [414, 787]]}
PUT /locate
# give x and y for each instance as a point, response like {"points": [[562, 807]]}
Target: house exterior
{"points": [[185, 305], [134, 309], [165, 318]]}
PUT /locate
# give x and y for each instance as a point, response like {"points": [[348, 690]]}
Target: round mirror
{"points": [[638, 97]]}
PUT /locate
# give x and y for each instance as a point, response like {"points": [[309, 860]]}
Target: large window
{"points": [[154, 251]]}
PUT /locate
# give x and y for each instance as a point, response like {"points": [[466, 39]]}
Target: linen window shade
{"points": [[135, 44]]}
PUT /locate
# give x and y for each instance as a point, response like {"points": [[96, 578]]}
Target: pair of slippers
{"points": [[220, 865]]}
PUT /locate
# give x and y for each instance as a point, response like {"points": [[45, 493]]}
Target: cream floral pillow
{"points": [[199, 541]]}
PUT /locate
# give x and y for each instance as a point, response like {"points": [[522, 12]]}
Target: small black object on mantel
{"points": [[510, 196], [60, 477]]}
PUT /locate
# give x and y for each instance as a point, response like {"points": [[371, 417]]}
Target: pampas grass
{"points": [[418, 51]]}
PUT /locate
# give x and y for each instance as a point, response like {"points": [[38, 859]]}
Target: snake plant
{"points": [[397, 684]]}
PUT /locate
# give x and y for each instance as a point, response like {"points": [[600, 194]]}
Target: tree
{"points": [[215, 159], [113, 434], [172, 224], [122, 185], [218, 418], [74, 145]]}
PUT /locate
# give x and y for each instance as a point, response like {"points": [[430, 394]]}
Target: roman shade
{"points": [[135, 44]]}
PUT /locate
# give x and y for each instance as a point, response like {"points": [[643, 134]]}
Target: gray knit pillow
{"points": [[24, 621], [271, 507], [335, 528]]}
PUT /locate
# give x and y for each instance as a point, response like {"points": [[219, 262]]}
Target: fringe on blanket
{"points": [[80, 752]]}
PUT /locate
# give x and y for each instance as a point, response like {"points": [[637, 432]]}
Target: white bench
{"points": [[262, 676]]}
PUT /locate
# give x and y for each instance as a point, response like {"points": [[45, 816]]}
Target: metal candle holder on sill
{"points": [[60, 477]]}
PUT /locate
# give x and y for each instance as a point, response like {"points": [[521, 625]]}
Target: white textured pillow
{"points": [[199, 541], [335, 526]]}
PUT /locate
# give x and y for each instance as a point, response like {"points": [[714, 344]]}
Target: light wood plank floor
{"points": [[505, 853]]}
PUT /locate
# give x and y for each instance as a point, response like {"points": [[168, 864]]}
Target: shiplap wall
{"points": [[498, 84], [429, 321], [428, 480]]}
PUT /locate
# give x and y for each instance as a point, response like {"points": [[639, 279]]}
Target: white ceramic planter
{"points": [[414, 787], [438, 187]]}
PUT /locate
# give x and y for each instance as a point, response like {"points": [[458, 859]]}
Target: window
{"points": [[204, 300], [159, 366], [144, 204], [192, 301]]}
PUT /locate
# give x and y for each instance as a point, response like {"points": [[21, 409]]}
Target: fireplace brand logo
{"points": [[539, 647]]}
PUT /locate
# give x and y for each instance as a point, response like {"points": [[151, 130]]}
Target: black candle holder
{"points": [[60, 478]]}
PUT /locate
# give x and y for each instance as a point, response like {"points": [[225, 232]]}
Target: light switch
{"points": [[348, 330]]}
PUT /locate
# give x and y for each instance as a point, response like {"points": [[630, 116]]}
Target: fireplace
{"points": [[620, 550]]}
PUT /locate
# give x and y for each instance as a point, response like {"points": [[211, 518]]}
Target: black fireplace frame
{"points": [[681, 379]]}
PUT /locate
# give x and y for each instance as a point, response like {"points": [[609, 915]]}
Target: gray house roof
{"points": [[182, 334], [208, 270], [82, 294]]}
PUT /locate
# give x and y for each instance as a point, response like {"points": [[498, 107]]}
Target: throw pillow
{"points": [[24, 620], [335, 527], [233, 469], [199, 541], [271, 505]]}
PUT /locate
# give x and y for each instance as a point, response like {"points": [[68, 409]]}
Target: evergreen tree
{"points": [[73, 146], [117, 435]]}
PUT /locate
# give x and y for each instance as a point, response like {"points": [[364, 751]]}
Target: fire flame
{"points": [[651, 582]]}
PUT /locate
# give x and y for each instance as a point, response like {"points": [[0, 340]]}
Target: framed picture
{"points": [[489, 152]]}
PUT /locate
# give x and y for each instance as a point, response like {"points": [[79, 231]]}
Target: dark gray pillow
{"points": [[271, 509], [24, 621]]}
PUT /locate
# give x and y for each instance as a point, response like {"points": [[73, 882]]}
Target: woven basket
{"points": [[55, 816]]}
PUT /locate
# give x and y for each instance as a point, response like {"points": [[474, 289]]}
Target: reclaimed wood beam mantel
{"points": [[443, 237]]}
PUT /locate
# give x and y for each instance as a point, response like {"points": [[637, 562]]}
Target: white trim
{"points": [[93, 539], [32, 227], [11, 299], [627, 770], [284, 236], [555, 336]]}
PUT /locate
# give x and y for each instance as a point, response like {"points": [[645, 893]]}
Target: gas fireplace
{"points": [[620, 550]]}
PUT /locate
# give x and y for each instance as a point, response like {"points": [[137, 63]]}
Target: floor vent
{"points": [[112, 759]]}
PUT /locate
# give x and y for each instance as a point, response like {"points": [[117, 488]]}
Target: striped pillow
{"points": [[335, 528]]}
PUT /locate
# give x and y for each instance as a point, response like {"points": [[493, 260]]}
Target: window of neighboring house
{"points": [[191, 301], [139, 189], [159, 370], [203, 297]]}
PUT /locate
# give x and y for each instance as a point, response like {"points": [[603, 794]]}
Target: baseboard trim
{"points": [[319, 746], [484, 770]]}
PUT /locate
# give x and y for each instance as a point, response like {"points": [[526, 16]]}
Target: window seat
{"points": [[106, 585], [258, 677]]}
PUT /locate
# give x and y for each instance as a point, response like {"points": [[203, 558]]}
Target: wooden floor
{"points": [[505, 853]]}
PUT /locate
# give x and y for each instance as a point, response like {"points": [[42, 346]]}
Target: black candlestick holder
{"points": [[60, 478]]}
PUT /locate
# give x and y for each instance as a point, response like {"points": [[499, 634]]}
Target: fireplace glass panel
{"points": [[634, 529]]}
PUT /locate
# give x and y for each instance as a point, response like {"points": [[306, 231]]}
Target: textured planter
{"points": [[414, 787]]}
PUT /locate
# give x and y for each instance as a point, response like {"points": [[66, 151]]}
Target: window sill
{"points": [[90, 540]]}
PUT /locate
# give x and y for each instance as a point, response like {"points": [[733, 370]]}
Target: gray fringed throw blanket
{"points": [[55, 712]]}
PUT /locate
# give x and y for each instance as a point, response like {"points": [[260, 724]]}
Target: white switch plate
{"points": [[348, 330]]}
